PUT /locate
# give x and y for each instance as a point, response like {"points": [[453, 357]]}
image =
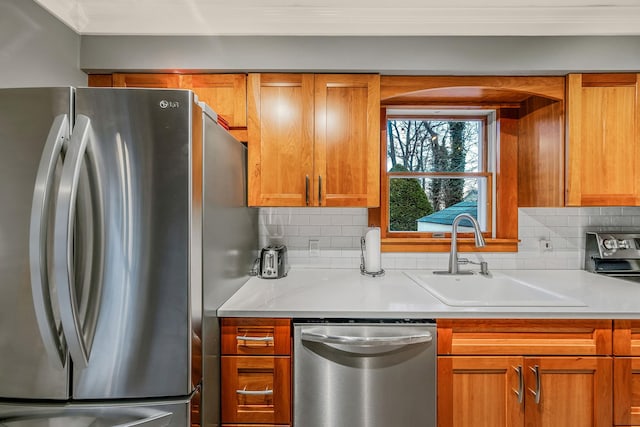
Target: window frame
{"points": [[501, 234], [483, 172]]}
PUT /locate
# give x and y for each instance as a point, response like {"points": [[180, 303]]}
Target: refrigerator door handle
{"points": [[54, 342], [157, 420], [63, 243]]}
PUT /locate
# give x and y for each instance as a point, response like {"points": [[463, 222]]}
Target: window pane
{"points": [[429, 145], [429, 204]]}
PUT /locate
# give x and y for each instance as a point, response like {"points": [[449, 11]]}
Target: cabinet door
{"points": [[603, 142], [480, 391], [347, 140], [280, 130], [225, 93], [568, 391], [150, 80], [256, 389], [626, 391]]}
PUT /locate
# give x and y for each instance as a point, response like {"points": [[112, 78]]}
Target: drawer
{"points": [[626, 337], [249, 336], [524, 337], [256, 389]]}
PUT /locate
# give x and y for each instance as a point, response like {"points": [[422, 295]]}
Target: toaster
{"points": [[273, 262]]}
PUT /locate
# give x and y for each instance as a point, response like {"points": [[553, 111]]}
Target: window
{"points": [[438, 164], [437, 169]]}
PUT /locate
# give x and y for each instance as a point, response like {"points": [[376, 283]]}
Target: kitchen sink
{"points": [[495, 290]]}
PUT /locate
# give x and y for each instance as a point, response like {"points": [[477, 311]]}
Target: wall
{"points": [[386, 55], [338, 232], [36, 49]]}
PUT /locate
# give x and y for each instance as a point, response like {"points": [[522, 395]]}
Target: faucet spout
{"points": [[453, 254]]}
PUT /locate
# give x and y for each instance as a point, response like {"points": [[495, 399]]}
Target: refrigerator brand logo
{"points": [[169, 104]]}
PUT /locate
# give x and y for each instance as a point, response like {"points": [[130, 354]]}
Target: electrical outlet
{"points": [[314, 248], [545, 245]]}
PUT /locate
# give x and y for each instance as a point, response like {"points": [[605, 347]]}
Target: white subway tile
{"points": [[556, 221], [341, 242], [341, 219], [320, 220], [310, 230], [622, 221], [610, 211], [353, 231], [330, 230]]}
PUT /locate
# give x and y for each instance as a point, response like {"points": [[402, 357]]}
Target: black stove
{"points": [[613, 254]]}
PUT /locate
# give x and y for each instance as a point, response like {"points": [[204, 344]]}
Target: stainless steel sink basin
{"points": [[496, 290]]}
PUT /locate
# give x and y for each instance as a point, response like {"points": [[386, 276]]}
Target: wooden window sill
{"points": [[409, 244]]}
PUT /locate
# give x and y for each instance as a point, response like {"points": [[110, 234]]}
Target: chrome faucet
{"points": [[454, 267]]}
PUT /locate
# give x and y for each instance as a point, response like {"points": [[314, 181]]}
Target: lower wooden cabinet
{"points": [[256, 389], [626, 391], [517, 373], [510, 391], [626, 372], [256, 372]]}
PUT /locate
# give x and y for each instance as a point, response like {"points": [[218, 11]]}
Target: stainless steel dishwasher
{"points": [[372, 374]]}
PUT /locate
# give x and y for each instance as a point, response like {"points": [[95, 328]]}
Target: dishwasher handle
{"points": [[366, 341]]}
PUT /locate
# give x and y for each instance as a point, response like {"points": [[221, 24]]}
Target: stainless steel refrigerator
{"points": [[107, 200]]}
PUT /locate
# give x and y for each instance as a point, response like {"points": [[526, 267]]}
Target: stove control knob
{"points": [[610, 244], [615, 244]]}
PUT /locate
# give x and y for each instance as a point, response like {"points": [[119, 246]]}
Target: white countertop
{"points": [[345, 293]]}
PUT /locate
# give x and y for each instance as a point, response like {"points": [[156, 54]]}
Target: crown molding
{"points": [[347, 18]]}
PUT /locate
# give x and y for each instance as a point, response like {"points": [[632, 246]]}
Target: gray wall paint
{"points": [[36, 49], [387, 55]]}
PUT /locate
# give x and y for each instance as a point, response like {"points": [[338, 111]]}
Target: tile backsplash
{"points": [[337, 232]]}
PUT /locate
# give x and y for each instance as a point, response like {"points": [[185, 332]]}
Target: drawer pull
{"points": [[245, 392], [258, 339]]}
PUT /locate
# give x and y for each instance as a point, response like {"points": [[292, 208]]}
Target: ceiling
{"points": [[349, 17]]}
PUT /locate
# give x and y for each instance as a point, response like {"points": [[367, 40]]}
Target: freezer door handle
{"points": [[54, 342], [157, 420], [79, 348], [366, 341]]}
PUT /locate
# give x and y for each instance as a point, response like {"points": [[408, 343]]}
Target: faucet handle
{"points": [[484, 268]]}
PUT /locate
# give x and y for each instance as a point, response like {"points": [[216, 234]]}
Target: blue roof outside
{"points": [[447, 215]]}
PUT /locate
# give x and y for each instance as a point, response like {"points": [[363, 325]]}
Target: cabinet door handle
{"points": [[538, 391], [245, 392], [306, 189], [260, 339], [520, 391], [319, 189]]}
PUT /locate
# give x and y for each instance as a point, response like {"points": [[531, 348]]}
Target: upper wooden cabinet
{"points": [[603, 113], [314, 140], [225, 93], [151, 80]]}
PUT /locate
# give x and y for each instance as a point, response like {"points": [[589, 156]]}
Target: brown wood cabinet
{"points": [[225, 93], [626, 372], [603, 120], [516, 373], [314, 140], [256, 371]]}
